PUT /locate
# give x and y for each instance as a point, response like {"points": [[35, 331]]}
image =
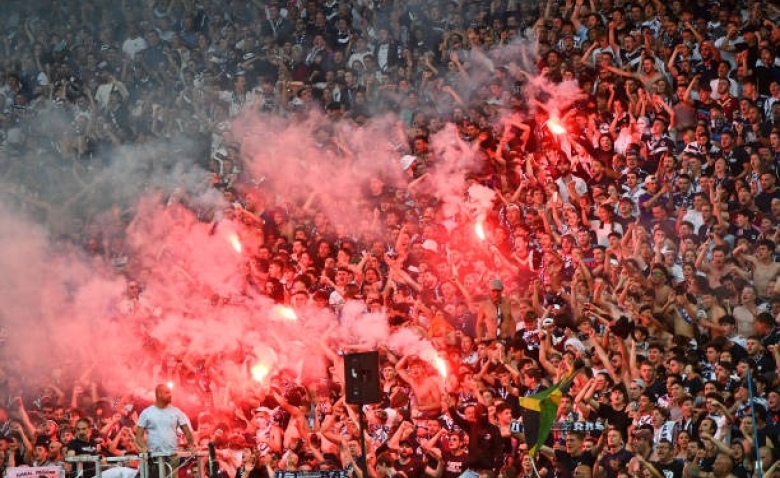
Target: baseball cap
{"points": [[574, 342]]}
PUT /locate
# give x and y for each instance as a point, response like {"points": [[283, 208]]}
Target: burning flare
{"points": [[169, 385], [441, 366], [479, 230], [288, 313], [555, 126], [235, 242], [259, 372], [436, 362]]}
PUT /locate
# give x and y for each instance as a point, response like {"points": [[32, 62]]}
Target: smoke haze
{"points": [[64, 307]]}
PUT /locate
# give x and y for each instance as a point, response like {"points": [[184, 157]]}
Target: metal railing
{"points": [[166, 467]]}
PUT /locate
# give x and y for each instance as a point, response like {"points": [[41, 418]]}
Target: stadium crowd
{"points": [[636, 230]]}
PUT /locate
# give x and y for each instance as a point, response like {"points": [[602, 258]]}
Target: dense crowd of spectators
{"points": [[636, 230]]}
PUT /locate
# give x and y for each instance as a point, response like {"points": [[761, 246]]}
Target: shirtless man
{"points": [[427, 392], [714, 311], [658, 281], [714, 268], [764, 268], [648, 75]]}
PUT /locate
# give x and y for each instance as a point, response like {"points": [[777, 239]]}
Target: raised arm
{"points": [[702, 263], [544, 349], [602, 354], [348, 461], [575, 15], [404, 430], [613, 44], [400, 368], [619, 72], [670, 65], [722, 447], [26, 426], [649, 467]]}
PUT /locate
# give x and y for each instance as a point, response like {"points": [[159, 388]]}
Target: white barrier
{"points": [[113, 467]]}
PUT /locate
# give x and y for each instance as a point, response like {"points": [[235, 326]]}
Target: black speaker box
{"points": [[361, 378]]}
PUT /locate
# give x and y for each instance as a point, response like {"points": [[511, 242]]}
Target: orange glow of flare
{"points": [[556, 127], [479, 230], [169, 385], [288, 313], [235, 242], [259, 372], [441, 366]]}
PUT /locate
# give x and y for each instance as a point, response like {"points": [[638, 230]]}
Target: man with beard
{"points": [[413, 466], [84, 444]]}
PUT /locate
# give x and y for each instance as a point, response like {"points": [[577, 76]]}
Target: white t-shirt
{"points": [[579, 185], [162, 425], [728, 56], [604, 230]]}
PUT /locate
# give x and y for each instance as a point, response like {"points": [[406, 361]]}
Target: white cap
{"points": [[574, 342]]}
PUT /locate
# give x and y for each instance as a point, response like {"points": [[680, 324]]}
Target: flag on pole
{"points": [[539, 411], [759, 467]]}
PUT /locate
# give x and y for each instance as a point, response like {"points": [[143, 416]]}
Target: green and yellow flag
{"points": [[539, 412]]}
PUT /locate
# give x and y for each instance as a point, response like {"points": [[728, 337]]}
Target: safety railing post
{"points": [[143, 466], [199, 461]]}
